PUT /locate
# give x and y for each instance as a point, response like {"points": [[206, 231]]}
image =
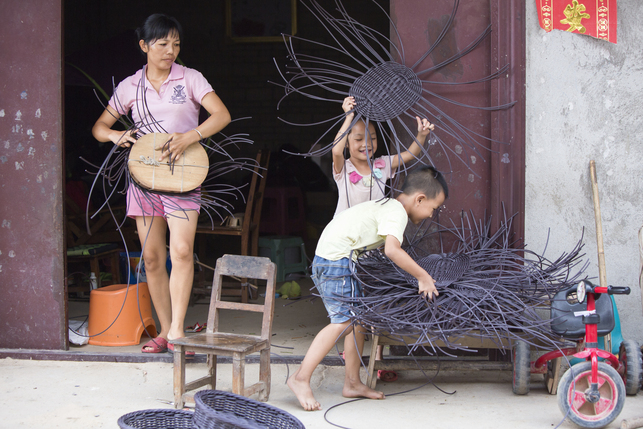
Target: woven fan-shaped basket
{"points": [[171, 419], [386, 91], [445, 268], [216, 409]]}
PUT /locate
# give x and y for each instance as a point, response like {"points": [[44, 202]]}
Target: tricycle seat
{"points": [[566, 324]]}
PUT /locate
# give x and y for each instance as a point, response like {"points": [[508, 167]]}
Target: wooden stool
{"points": [[117, 305]]}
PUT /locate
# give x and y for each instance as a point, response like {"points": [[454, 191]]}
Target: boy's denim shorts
{"points": [[333, 279]]}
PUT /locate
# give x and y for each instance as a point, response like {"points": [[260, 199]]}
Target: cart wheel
{"points": [[629, 355], [575, 405], [521, 368]]}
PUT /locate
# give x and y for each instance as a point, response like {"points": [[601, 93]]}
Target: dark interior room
{"points": [[243, 66]]}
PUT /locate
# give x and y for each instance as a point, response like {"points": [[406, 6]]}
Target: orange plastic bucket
{"points": [[122, 327]]}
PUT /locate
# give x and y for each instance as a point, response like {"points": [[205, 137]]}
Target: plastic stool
{"points": [[283, 211], [104, 306], [287, 252]]}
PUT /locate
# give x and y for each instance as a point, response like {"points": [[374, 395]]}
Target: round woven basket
{"points": [[223, 410], [170, 419]]}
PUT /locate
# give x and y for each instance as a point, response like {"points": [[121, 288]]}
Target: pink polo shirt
{"points": [[174, 109]]}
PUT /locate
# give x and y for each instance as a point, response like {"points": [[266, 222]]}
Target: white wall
{"points": [[584, 102]]}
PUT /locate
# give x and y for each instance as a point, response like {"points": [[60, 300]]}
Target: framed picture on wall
{"points": [[260, 20]]}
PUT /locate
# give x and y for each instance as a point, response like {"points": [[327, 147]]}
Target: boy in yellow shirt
{"points": [[363, 227]]}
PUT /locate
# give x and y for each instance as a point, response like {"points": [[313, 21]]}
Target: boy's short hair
{"points": [[427, 180]]}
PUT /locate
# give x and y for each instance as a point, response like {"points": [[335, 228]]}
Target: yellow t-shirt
{"points": [[362, 227]]}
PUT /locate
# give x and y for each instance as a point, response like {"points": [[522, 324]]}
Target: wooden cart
{"points": [[474, 362]]}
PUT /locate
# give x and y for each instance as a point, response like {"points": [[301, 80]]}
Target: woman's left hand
{"points": [[176, 144]]}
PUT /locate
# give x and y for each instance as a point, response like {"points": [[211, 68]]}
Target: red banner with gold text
{"points": [[596, 18]]}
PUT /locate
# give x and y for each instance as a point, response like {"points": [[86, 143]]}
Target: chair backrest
{"points": [[264, 162], [245, 267], [256, 191]]}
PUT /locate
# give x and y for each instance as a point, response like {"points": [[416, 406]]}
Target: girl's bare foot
{"points": [[304, 393], [360, 390]]}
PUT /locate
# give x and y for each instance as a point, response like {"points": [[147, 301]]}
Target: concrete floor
{"points": [[78, 394], [70, 395]]}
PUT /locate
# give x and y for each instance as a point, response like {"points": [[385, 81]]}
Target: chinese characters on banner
{"points": [[596, 18]]}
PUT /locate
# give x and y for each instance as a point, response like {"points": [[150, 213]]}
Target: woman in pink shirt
{"points": [[164, 97]]}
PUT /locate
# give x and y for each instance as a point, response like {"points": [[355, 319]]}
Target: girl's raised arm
{"points": [[424, 129], [338, 150]]}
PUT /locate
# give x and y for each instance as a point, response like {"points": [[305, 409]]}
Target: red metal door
{"points": [[486, 173]]}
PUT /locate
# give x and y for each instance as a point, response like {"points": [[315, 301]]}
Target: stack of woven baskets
{"points": [[214, 410]]}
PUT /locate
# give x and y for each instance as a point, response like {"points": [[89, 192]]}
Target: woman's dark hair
{"points": [[158, 26]]}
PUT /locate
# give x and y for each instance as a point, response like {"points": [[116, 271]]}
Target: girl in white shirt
{"points": [[356, 181]]}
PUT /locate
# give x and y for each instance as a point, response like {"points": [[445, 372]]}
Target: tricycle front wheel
{"points": [[574, 398]]}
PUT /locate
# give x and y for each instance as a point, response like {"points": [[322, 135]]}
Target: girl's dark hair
{"points": [[158, 26]]}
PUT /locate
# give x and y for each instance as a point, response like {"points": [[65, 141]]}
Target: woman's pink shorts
{"points": [[152, 204]]}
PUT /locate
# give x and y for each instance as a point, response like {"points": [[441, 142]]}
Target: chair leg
{"points": [[179, 376], [93, 266], [264, 374], [238, 373], [244, 293], [371, 381], [212, 371]]}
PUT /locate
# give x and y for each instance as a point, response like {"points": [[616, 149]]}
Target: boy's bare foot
{"points": [[360, 390], [304, 393]]}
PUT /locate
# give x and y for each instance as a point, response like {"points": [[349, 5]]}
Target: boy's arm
{"points": [[393, 250], [338, 150], [424, 129]]}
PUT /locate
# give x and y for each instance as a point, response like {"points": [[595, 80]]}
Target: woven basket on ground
{"points": [[154, 419], [216, 409]]}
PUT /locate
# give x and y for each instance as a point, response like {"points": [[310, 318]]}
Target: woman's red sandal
{"points": [[388, 376]]}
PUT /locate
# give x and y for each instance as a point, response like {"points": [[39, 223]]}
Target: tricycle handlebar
{"points": [[618, 290]]}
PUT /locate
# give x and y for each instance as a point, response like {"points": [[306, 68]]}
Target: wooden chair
{"points": [[248, 231], [214, 343]]}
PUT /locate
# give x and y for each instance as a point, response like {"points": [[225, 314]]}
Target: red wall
{"points": [[495, 184], [32, 291]]}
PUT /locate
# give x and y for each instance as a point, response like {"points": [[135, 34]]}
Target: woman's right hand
{"points": [[103, 132], [123, 138]]}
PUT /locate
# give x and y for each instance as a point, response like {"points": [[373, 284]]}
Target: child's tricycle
{"points": [[590, 393]]}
